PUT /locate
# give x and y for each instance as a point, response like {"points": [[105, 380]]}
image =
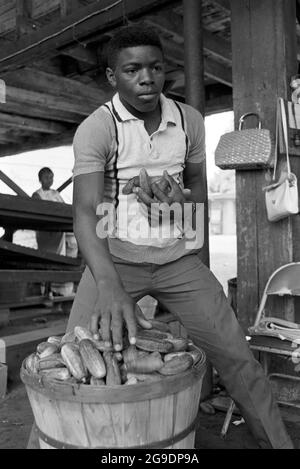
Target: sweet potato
{"points": [[145, 182]]}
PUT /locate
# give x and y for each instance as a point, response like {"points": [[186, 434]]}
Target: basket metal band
{"points": [[155, 445]]}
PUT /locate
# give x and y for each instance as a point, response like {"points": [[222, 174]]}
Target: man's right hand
{"points": [[114, 309]]}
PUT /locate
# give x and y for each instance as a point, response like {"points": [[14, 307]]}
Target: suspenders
{"points": [[115, 169], [183, 128]]}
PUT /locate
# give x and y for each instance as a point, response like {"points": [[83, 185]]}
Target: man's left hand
{"points": [[170, 196]]}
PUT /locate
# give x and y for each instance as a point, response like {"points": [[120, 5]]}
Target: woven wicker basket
{"points": [[244, 148]]}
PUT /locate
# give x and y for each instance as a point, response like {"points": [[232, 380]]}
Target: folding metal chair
{"points": [[283, 281]]}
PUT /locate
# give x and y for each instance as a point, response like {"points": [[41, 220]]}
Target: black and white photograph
{"points": [[149, 227]]}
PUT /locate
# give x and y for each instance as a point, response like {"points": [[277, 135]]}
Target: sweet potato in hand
{"points": [[133, 182]]}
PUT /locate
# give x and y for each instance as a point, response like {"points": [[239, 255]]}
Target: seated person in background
{"points": [[50, 241]]}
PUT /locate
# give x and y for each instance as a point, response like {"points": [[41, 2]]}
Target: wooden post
{"points": [[193, 54], [194, 78], [195, 96], [66, 7], [24, 24], [264, 58]]}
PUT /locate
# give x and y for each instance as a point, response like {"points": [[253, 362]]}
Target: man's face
{"points": [[139, 77]]}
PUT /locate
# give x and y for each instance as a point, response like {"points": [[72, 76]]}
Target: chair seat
{"points": [[272, 345]]}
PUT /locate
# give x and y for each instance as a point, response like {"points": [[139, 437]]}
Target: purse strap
{"points": [[281, 119]]}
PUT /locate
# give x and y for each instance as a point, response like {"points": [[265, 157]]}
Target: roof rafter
{"points": [[38, 80], [172, 24], [212, 69], [12, 121], [97, 17], [23, 96], [81, 54], [48, 141], [224, 4]]}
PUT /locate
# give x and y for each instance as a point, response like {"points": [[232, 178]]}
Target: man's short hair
{"points": [[131, 36], [44, 171]]}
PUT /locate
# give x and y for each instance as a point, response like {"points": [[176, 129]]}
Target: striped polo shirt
{"points": [[114, 141]]}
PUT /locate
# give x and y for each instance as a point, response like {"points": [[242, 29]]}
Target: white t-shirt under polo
{"points": [[116, 142]]}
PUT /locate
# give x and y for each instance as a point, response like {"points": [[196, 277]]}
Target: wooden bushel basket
{"points": [[161, 414]]}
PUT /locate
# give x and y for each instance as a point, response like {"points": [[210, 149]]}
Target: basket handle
{"points": [[244, 116]]}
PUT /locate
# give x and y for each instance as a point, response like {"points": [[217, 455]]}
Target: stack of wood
{"points": [[27, 316]]}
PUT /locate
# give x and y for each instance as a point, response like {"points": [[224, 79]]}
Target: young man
{"points": [[140, 129]]}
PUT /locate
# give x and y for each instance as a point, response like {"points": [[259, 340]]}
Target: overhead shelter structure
{"points": [[220, 55]]}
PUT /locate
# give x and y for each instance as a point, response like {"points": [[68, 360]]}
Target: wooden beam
{"points": [[4, 140], [221, 73], [71, 107], [219, 48], [172, 24], [85, 21], [42, 8], [34, 111], [66, 7], [223, 4], [32, 125], [215, 105], [76, 105], [5, 6], [24, 23], [177, 77], [25, 275], [38, 80], [65, 184], [36, 143], [10, 183], [7, 137], [43, 208], [28, 213], [81, 53], [13, 136], [24, 255], [218, 72]]}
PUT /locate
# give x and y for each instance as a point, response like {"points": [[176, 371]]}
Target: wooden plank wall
{"points": [[264, 58]]}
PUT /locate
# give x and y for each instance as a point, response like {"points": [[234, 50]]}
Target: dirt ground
{"points": [[16, 420]]}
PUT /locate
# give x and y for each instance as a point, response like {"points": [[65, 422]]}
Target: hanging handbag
{"points": [[282, 196], [292, 111], [244, 148]]}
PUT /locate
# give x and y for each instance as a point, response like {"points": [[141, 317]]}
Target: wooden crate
{"points": [[16, 347]]}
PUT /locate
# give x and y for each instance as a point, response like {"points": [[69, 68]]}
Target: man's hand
{"points": [[133, 182], [114, 309], [167, 191], [173, 193]]}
